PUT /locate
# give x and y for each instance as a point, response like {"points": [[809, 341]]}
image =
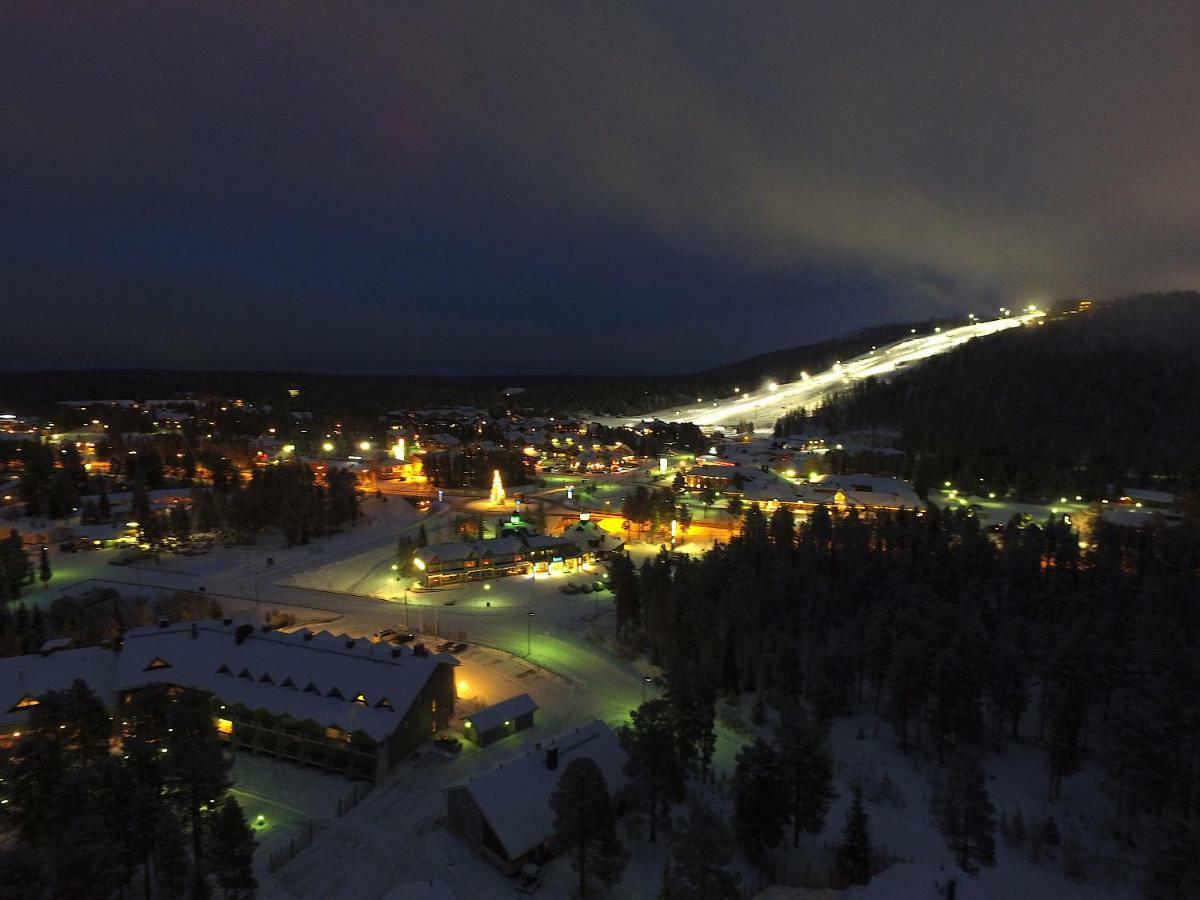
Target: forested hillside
{"points": [[964, 644], [1109, 397]]}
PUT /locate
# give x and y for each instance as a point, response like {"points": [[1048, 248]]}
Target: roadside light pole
{"points": [[645, 681], [529, 633]]}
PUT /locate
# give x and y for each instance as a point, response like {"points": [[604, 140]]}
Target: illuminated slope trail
{"points": [[766, 404]]}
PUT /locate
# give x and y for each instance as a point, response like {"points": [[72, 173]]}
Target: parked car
{"points": [[570, 588], [599, 586], [402, 637], [585, 588], [385, 633], [459, 647], [449, 744]]}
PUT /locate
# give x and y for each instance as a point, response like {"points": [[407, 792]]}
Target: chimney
{"points": [[227, 621], [308, 635], [243, 632], [266, 629], [350, 644], [552, 758], [163, 623], [396, 651], [195, 633]]}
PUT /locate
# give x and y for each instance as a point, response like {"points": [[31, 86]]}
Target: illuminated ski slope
{"points": [[766, 403]]}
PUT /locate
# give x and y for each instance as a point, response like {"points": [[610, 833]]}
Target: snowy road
{"points": [[768, 402]]}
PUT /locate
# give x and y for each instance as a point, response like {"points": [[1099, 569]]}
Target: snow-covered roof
{"points": [[504, 711], [917, 881], [588, 535], [867, 490], [306, 676], [515, 797], [433, 889], [488, 547], [1150, 496], [25, 678]]}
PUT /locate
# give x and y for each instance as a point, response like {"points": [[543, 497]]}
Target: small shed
{"points": [[496, 722]]}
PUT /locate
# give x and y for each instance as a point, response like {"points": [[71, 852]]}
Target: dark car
{"points": [[449, 744], [402, 637], [386, 632], [459, 647], [67, 547]]}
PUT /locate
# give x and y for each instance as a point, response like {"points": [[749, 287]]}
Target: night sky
{"points": [[616, 188]]}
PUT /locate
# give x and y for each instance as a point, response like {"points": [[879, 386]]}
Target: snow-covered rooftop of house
{"points": [[870, 490], [504, 711], [25, 678], [588, 535], [500, 545], [918, 881], [356, 685], [1150, 496], [434, 889], [515, 797]]}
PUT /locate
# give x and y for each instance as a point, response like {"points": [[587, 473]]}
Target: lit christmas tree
{"points": [[498, 494]]}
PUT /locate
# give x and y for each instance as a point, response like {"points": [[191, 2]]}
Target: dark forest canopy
{"points": [[1087, 402]]}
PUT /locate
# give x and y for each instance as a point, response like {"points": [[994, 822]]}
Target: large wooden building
{"points": [[337, 703], [513, 554]]}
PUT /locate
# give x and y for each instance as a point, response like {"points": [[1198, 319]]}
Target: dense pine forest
{"points": [[1092, 402], [963, 641]]}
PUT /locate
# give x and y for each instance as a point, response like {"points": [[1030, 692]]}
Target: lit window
{"points": [[224, 726], [157, 663], [360, 699], [25, 702], [383, 703], [433, 706], [336, 734]]}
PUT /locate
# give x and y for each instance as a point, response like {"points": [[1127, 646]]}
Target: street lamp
{"points": [[529, 633], [645, 681]]}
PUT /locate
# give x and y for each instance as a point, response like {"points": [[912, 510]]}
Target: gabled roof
{"points": [[490, 547], [206, 655], [515, 797], [36, 674], [504, 711]]}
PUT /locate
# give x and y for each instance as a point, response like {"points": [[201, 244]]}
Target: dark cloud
{"points": [[745, 176]]}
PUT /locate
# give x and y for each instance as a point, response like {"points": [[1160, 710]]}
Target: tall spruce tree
{"points": [[584, 824], [196, 769], [760, 797], [965, 814], [231, 851], [702, 847], [853, 854], [807, 764], [655, 770]]}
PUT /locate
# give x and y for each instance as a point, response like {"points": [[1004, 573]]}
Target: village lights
{"points": [[365, 446], [327, 446]]}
